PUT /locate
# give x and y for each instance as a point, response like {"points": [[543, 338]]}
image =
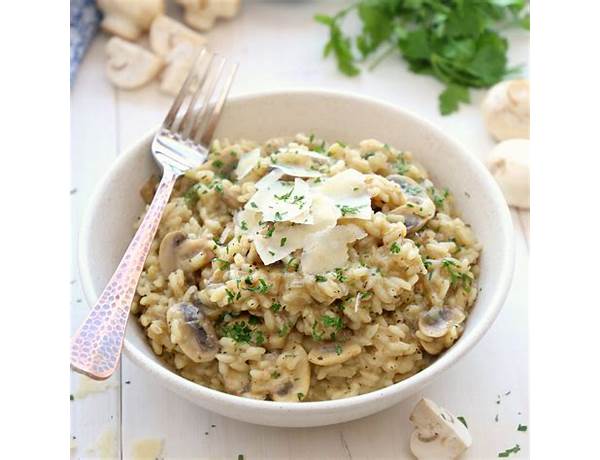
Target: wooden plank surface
{"points": [[105, 121]]}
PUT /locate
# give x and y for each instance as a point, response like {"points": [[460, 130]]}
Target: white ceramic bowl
{"points": [[108, 227]]}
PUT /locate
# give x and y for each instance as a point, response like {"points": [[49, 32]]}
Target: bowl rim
{"points": [[450, 357]]}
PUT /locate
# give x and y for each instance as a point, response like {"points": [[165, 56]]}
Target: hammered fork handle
{"points": [[96, 346]]}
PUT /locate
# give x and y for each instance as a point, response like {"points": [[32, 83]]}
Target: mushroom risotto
{"points": [[306, 271]]}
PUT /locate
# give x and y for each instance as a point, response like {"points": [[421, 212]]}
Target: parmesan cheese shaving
{"points": [[328, 249], [269, 179], [349, 193], [282, 201], [286, 237], [296, 171], [247, 163]]}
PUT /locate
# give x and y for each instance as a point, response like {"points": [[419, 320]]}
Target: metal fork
{"points": [[181, 143]]}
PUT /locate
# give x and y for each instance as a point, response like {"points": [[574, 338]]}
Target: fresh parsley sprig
{"points": [[455, 41]]}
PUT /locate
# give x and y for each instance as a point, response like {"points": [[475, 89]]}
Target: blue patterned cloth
{"points": [[85, 18]]}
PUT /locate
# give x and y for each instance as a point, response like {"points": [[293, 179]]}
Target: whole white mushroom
{"points": [[201, 14], [438, 434], [129, 19], [509, 164], [506, 110]]}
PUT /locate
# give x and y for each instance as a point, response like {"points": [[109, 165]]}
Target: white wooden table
{"points": [[131, 407]]}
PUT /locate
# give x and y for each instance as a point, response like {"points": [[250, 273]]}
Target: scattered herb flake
{"points": [[300, 396], [338, 349], [522, 428], [275, 307], [244, 225], [507, 452], [282, 242], [395, 248], [320, 278], [463, 421], [217, 164]]}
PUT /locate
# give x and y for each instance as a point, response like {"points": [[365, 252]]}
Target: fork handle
{"points": [[96, 346]]}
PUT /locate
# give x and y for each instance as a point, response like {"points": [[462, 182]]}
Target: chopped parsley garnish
{"points": [[426, 262], [262, 288], [366, 295], [339, 275], [338, 349], [217, 164], [71, 397], [219, 187], [284, 330], [347, 210], [402, 166], [278, 215], [282, 242], [240, 332], [355, 189], [270, 231], [438, 196], [285, 196], [311, 138], [507, 452], [271, 252], [243, 225], [300, 396], [463, 421], [333, 321], [253, 204], [275, 307], [254, 320], [394, 248], [223, 264], [456, 275], [275, 375], [230, 296], [259, 338], [522, 428], [320, 278]]}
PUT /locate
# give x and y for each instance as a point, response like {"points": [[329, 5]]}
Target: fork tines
{"points": [[197, 107]]}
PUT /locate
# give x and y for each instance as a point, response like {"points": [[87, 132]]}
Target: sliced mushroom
{"points": [[294, 381], [193, 332], [333, 353], [167, 33], [438, 434], [129, 65], [418, 209], [178, 251], [129, 19], [437, 321]]}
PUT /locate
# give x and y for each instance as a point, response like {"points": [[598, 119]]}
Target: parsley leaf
{"points": [[457, 42]]}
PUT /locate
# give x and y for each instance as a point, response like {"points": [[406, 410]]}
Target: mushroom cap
{"points": [[193, 332], [129, 65], [438, 434], [506, 110], [509, 164], [294, 380], [178, 251], [437, 321], [419, 208], [329, 354], [167, 33]]}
